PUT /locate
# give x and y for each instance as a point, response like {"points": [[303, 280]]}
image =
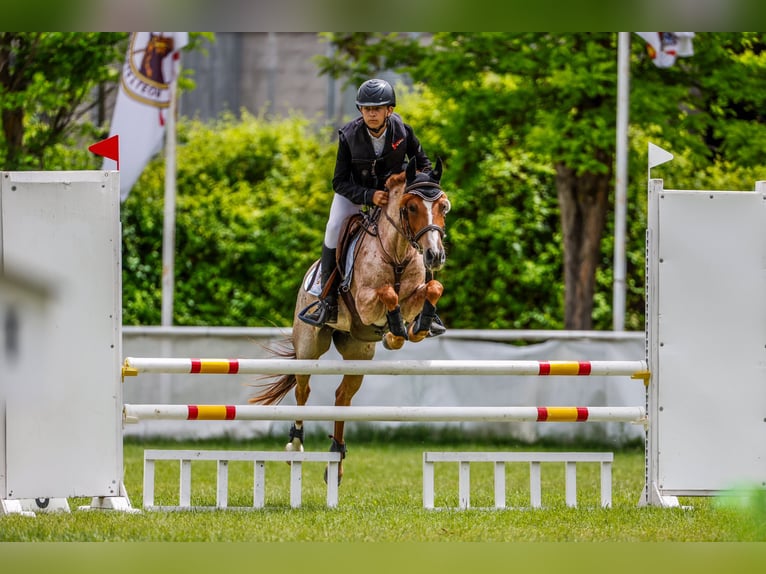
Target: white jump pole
{"points": [[136, 413], [135, 366]]}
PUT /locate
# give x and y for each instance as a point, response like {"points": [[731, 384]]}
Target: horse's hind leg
{"points": [[343, 394], [302, 392], [309, 343], [350, 349]]}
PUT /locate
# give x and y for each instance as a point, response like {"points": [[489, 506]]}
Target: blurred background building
{"points": [[271, 73]]}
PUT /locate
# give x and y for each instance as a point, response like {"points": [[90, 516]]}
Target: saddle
{"points": [[348, 242], [345, 255]]}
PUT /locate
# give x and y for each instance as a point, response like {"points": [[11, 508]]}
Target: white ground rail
{"points": [[570, 459], [223, 457]]}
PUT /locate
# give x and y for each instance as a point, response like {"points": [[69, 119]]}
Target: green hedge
{"points": [[252, 200]]}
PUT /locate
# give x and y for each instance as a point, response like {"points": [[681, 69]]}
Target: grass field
{"points": [[380, 500]]}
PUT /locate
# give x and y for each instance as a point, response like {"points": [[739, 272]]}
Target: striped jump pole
{"points": [[136, 413], [134, 366]]}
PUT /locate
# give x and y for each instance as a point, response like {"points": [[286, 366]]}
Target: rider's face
{"points": [[375, 116]]}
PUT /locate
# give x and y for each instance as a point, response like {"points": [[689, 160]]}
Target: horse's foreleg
{"points": [[397, 332], [343, 395], [420, 327], [302, 391]]}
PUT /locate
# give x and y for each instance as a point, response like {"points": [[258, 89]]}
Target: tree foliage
{"points": [[54, 89], [47, 80], [503, 96]]}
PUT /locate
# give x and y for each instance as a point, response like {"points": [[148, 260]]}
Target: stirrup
{"points": [[318, 313]]}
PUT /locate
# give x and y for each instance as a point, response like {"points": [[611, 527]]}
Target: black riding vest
{"points": [[366, 169]]}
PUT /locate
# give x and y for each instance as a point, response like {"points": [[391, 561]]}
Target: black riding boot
{"points": [[324, 310], [437, 327]]}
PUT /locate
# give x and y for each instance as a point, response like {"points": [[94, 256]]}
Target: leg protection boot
{"points": [[437, 327]]}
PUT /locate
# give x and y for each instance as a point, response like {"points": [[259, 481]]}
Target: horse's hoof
{"points": [[392, 342], [416, 337], [293, 446]]}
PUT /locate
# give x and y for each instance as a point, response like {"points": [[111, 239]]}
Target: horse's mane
{"points": [[396, 180]]}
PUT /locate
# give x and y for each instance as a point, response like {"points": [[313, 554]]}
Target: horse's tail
{"points": [[278, 389]]}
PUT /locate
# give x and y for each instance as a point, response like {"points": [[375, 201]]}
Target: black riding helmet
{"points": [[375, 92]]}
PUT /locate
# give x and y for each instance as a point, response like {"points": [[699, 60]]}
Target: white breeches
{"points": [[340, 209]]}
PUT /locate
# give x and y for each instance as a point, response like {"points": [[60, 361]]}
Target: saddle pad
{"points": [[313, 283], [348, 271]]}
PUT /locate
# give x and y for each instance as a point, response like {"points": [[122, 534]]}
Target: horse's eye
{"points": [[412, 208]]}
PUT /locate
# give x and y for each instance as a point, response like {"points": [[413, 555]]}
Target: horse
{"points": [[388, 293]]}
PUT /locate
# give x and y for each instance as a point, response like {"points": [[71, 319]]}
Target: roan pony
{"points": [[385, 297]]}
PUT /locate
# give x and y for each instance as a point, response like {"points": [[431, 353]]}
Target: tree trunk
{"points": [[12, 119], [583, 202], [13, 131]]}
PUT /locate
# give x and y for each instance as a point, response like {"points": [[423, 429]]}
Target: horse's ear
{"points": [[412, 167], [436, 172]]}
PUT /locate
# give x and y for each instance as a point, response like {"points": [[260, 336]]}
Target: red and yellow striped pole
{"points": [[634, 369], [557, 414]]}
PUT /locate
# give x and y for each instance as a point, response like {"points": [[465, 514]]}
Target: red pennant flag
{"points": [[109, 148]]}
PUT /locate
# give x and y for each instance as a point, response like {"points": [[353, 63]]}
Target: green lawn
{"points": [[380, 500]]}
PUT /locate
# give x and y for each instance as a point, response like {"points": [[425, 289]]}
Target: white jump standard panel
{"points": [[706, 260], [63, 425], [570, 459], [223, 457]]}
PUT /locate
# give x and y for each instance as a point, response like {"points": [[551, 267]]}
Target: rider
{"points": [[371, 147]]}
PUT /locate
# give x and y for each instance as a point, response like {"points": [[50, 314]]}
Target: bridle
{"points": [[404, 227]]}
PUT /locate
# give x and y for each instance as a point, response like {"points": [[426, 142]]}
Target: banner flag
{"points": [[664, 47], [151, 66]]}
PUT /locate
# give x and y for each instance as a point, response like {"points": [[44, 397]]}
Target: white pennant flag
{"points": [[664, 47], [657, 156], [151, 65]]}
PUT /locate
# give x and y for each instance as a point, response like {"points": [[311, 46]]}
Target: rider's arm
{"points": [[343, 180]]}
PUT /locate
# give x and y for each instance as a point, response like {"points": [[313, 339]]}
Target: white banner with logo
{"points": [[151, 66]]}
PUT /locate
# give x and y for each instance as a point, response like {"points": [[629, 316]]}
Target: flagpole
{"points": [[169, 223], [621, 180]]}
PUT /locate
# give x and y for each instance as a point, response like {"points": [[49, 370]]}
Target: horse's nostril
{"points": [[433, 258]]}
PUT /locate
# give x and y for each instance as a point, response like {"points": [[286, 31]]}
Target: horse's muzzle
{"points": [[434, 259]]}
